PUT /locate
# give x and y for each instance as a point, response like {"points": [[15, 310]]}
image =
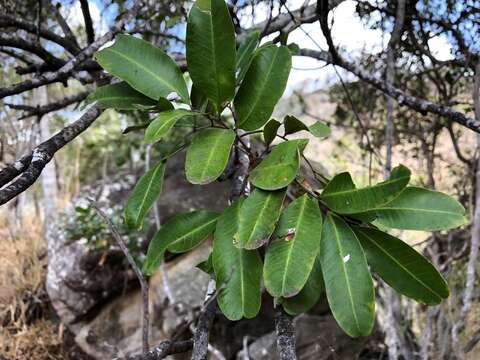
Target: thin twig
{"points": [[138, 273]]}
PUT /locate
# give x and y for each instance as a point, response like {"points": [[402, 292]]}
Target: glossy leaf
{"points": [[179, 234], [162, 124], [207, 155], [238, 271], [245, 54], [144, 67], [144, 195], [319, 129], [420, 209], [309, 295], [120, 96], [280, 167], [293, 125], [296, 241], [341, 195], [257, 218], [211, 50], [262, 87], [402, 267], [348, 283], [270, 131]]}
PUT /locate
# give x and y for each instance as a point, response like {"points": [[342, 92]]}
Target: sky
{"points": [[348, 33]]}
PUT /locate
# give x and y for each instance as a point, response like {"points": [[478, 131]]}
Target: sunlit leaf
{"points": [[280, 167], [144, 67], [179, 234], [144, 195], [162, 124], [207, 155]]}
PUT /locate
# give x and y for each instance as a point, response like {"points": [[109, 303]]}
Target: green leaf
{"points": [[402, 267], [144, 195], [263, 86], [342, 197], [179, 234], [198, 99], [257, 218], [211, 50], [280, 167], [348, 283], [238, 271], [120, 96], [293, 125], [319, 129], [270, 131], [296, 241], [207, 155], [245, 54], [206, 266], [420, 209], [162, 124], [309, 295], [144, 67]]}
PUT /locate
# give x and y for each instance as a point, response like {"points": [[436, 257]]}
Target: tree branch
{"points": [[64, 72], [30, 166], [12, 21], [204, 324], [88, 21], [165, 348], [285, 335], [418, 104], [44, 109], [138, 273]]}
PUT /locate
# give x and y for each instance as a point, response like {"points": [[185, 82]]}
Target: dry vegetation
{"points": [[29, 329]]}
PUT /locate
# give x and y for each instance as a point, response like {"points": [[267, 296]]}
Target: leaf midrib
{"points": [[264, 207], [400, 265], [154, 174], [381, 185], [290, 250], [210, 156], [347, 280], [262, 87], [169, 85]]}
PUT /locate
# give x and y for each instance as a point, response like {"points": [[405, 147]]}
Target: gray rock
{"points": [[80, 279], [116, 329]]}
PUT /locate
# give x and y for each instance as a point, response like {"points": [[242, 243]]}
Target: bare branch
{"points": [[204, 323], [12, 21], [34, 48], [421, 105], [88, 21], [44, 109], [31, 165], [138, 273], [163, 350], [63, 73]]}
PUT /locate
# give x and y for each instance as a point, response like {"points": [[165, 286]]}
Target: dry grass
{"points": [[27, 330]]}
